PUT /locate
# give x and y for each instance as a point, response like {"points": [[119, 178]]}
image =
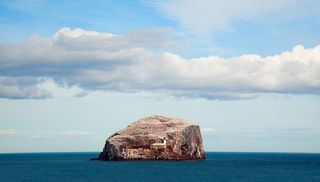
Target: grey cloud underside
{"points": [[132, 63], [22, 88]]}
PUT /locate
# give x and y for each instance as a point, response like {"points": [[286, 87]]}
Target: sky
{"points": [[247, 72]]}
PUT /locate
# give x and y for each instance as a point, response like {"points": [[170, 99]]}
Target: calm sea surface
{"points": [[218, 167]]}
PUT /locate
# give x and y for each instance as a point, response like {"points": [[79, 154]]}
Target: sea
{"points": [[218, 166]]}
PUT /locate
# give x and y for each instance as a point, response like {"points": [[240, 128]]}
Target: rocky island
{"points": [[155, 138]]}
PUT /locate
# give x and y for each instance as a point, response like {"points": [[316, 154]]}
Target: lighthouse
{"points": [[157, 146]]}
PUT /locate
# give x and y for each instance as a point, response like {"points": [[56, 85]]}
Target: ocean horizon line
{"points": [[72, 152]]}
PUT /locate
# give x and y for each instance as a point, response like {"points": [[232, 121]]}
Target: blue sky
{"points": [[248, 72]]}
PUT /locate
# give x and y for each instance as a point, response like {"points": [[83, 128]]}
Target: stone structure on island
{"points": [[155, 138]]}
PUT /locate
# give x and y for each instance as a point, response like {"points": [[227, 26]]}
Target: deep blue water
{"points": [[219, 166]]}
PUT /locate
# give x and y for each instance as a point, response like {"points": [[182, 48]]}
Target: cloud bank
{"points": [[46, 134], [139, 61]]}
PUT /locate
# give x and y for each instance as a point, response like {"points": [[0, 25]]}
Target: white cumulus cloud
{"points": [[87, 60]]}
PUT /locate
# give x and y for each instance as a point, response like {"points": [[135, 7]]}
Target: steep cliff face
{"points": [[155, 138]]}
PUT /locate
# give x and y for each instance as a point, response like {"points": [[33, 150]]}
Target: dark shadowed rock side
{"points": [[155, 138]]}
